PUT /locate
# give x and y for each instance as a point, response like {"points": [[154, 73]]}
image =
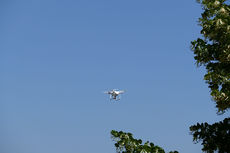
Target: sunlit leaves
{"points": [[213, 50], [125, 143]]}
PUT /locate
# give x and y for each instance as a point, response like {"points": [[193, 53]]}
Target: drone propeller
{"points": [[106, 92], [121, 91]]}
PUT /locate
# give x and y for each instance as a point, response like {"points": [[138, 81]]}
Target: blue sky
{"points": [[57, 57]]}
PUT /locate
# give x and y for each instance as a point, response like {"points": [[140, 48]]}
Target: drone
{"points": [[114, 94]]}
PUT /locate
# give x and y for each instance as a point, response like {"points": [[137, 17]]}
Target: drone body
{"points": [[115, 94]]}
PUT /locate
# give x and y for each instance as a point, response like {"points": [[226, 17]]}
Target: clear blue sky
{"points": [[57, 57]]}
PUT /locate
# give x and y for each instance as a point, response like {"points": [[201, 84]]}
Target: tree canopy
{"points": [[215, 137], [125, 143], [212, 50]]}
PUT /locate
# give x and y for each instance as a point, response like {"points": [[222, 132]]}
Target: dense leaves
{"points": [[213, 50], [214, 137], [125, 143]]}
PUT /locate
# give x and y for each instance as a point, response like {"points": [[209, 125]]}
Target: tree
{"points": [[213, 52], [125, 143], [215, 137]]}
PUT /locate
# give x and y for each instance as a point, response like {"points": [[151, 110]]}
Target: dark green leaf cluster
{"points": [[213, 50], [125, 143], [214, 137]]}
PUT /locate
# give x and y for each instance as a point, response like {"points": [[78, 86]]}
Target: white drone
{"points": [[114, 94]]}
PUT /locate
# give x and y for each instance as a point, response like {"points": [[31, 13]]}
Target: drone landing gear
{"points": [[116, 98]]}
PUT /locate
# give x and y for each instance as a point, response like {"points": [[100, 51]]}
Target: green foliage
{"points": [[214, 137], [213, 50], [125, 143]]}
